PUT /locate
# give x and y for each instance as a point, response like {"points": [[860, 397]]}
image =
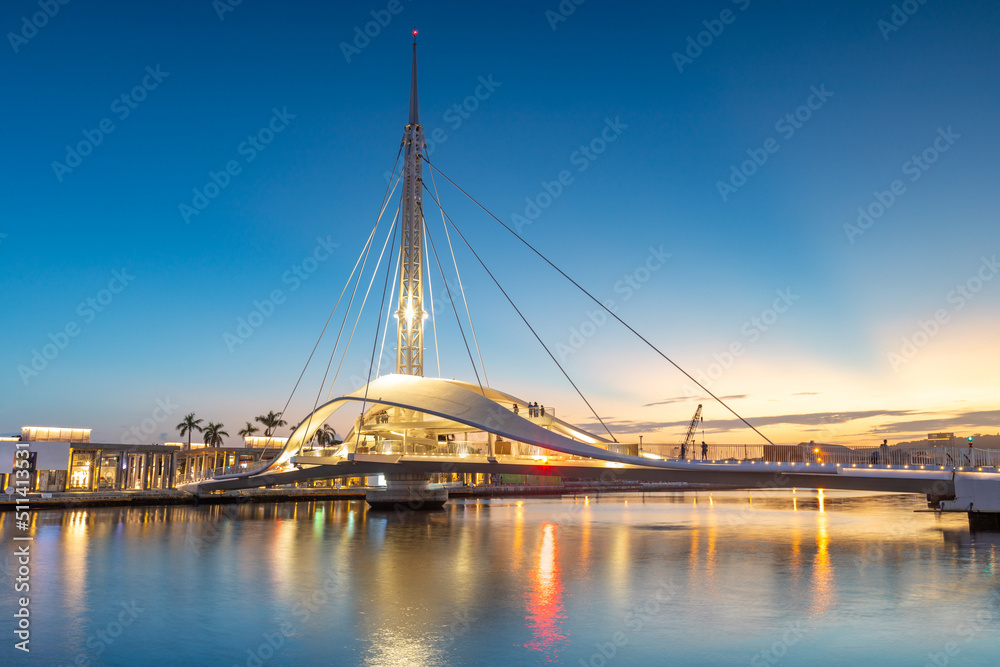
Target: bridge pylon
{"points": [[403, 489]]}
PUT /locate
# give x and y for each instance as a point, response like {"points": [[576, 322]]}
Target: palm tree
{"points": [[189, 425], [213, 434], [271, 421], [326, 436], [248, 430]]}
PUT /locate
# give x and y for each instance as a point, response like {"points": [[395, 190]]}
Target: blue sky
{"points": [[886, 329]]}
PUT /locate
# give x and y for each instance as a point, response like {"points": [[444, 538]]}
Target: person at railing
{"points": [[684, 451], [541, 411], [515, 408], [704, 451]]}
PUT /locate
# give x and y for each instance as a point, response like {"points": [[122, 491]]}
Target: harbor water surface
{"points": [[721, 578]]}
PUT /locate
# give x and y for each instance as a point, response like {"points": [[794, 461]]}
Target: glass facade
{"points": [[81, 471], [107, 478]]}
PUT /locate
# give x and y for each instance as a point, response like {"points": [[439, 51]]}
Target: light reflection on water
{"points": [[696, 579], [545, 606]]}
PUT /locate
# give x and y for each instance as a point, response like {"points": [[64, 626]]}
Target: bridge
{"points": [[410, 427], [421, 426]]}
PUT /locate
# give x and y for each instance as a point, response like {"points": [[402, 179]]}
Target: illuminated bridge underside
{"points": [[422, 407]]}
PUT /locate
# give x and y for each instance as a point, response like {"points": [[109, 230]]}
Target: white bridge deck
{"points": [[916, 478]]}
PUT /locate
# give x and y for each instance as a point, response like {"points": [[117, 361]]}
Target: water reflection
{"points": [[75, 548], [823, 575], [545, 605], [483, 582]]}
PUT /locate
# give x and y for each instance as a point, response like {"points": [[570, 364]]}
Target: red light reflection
{"points": [[545, 606]]}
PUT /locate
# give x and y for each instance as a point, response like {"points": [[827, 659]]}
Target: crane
{"points": [[689, 439]]}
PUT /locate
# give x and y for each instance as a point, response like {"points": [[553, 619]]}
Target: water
{"points": [[726, 578]]}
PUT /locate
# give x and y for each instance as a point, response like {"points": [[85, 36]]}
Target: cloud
{"points": [[626, 426], [667, 401], [974, 420], [814, 422], [813, 418], [689, 399]]}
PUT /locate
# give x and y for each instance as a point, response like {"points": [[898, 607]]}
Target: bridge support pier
{"points": [[978, 494], [407, 491]]}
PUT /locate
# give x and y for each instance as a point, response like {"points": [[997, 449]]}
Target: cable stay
{"points": [[378, 325], [458, 319], [385, 329], [597, 301], [430, 291], [350, 304], [389, 189], [520, 314], [361, 309], [458, 276]]}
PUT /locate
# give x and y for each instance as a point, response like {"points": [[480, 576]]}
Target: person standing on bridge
{"points": [[515, 408], [684, 449], [883, 452], [704, 451]]}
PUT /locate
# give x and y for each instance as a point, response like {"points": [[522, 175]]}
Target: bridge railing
{"points": [[804, 453], [814, 453], [194, 476]]}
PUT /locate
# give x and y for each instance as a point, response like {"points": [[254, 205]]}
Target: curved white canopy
{"points": [[458, 401]]}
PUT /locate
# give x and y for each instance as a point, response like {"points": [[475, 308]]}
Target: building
{"points": [[64, 459]]}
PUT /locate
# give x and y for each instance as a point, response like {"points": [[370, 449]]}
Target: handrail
{"points": [[949, 457]]}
